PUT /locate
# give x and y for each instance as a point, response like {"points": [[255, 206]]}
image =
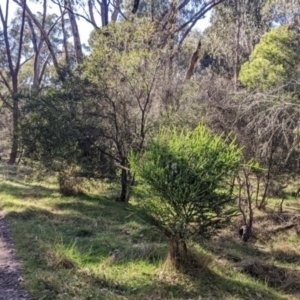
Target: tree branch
{"points": [[20, 40], [6, 83], [43, 32], [5, 102]]}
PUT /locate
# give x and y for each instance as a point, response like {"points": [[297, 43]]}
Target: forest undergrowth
{"points": [[90, 247]]}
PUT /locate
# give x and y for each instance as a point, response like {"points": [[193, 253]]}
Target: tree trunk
{"points": [[127, 181], [91, 13], [237, 47], [193, 63], [65, 39], [14, 69], [116, 11], [135, 6], [124, 187], [104, 13], [15, 137], [177, 250], [245, 232], [75, 33], [44, 34]]}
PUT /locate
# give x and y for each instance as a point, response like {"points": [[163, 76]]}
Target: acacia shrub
{"points": [[187, 173]]}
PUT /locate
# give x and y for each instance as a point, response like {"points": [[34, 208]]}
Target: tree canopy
{"points": [[274, 60]]}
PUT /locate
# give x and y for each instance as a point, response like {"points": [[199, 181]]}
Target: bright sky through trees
{"points": [[85, 27]]}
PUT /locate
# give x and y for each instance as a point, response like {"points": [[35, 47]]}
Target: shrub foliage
{"points": [[187, 173]]}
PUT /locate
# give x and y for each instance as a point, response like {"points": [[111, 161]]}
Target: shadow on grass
{"points": [[254, 262], [234, 250], [280, 278], [290, 257], [24, 191], [95, 228], [95, 249], [205, 285]]}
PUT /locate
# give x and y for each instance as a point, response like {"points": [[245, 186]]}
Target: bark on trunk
{"points": [[91, 13], [13, 72], [65, 39], [15, 137], [116, 11], [44, 34], [75, 33], [104, 13], [177, 250], [124, 187], [127, 181], [237, 48], [245, 233], [193, 63], [135, 6]]}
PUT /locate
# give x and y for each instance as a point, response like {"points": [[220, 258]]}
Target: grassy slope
{"points": [[93, 248]]}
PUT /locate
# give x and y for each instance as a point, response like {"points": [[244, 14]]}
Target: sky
{"points": [[84, 27]]}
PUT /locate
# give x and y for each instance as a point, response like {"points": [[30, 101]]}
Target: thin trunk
{"points": [[91, 12], [76, 37], [263, 202], [193, 63], [124, 186], [43, 32], [36, 67], [4, 20], [62, 13], [127, 181], [177, 252], [14, 72], [135, 6], [117, 9], [16, 111], [15, 137], [240, 199], [237, 47], [245, 231], [104, 13], [257, 189], [250, 208]]}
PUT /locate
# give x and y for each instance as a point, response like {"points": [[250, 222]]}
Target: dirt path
{"points": [[10, 273]]}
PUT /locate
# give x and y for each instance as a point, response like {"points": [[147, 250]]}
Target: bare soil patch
{"points": [[10, 268]]}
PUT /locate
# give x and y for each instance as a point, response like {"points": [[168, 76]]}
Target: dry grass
{"points": [[195, 261], [280, 278]]}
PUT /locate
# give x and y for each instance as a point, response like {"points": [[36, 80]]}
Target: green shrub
{"points": [[187, 173]]}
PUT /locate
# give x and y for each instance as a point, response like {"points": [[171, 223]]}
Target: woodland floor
{"points": [[88, 247], [10, 267]]}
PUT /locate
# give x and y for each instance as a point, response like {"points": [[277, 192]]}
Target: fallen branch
{"points": [[286, 227]]}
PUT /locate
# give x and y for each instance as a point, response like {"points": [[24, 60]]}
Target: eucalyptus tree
{"points": [[132, 74], [31, 44], [43, 62], [274, 60], [9, 74], [175, 19], [236, 27], [97, 13]]}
